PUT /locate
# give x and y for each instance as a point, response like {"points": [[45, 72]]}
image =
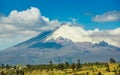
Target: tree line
{"points": [[20, 70]]}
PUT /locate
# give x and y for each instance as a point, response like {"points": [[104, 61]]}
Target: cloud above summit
{"points": [[107, 17]]}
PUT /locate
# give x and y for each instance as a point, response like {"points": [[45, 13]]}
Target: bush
{"points": [[99, 73]]}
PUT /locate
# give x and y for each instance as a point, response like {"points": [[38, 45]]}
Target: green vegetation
{"points": [[97, 68]]}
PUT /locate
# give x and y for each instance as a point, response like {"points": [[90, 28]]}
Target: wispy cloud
{"points": [[107, 17]]}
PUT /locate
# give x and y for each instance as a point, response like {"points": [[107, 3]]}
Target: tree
{"points": [[2, 65], [112, 60], [67, 64], [61, 66], [50, 62], [108, 68], [28, 66], [51, 65], [7, 66], [78, 64], [73, 66]]}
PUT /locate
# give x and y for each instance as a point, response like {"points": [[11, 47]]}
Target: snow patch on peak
{"points": [[73, 33]]}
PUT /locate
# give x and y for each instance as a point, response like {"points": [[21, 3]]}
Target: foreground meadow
{"points": [[97, 68]]}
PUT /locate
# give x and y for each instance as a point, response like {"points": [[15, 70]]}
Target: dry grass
{"points": [[85, 70]]}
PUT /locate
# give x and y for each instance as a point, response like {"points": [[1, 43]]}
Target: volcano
{"points": [[66, 43]]}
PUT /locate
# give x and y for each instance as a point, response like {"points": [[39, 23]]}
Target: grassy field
{"points": [[85, 70], [62, 69]]}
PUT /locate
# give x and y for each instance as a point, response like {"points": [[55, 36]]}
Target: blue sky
{"points": [[63, 10], [90, 14]]}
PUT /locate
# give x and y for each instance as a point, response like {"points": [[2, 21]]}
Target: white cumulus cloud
{"points": [[107, 17], [21, 25], [110, 36], [28, 22]]}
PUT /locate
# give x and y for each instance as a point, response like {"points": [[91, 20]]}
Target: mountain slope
{"points": [[63, 44]]}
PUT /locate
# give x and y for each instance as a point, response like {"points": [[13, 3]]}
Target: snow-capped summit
{"points": [[70, 32], [75, 33]]}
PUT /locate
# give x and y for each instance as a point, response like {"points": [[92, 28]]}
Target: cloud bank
{"points": [[110, 36], [107, 17]]}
